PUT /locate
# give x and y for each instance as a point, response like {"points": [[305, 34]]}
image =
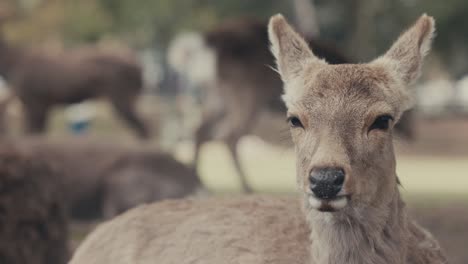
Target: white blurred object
{"points": [[152, 71], [461, 94], [190, 57], [80, 116], [434, 97]]}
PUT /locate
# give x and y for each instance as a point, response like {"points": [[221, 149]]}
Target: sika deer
{"points": [[42, 81], [245, 84], [33, 220], [342, 119], [243, 79], [104, 180]]}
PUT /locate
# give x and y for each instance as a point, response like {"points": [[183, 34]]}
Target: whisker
{"points": [[272, 68]]}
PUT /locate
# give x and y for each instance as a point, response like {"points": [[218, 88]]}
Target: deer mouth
{"points": [[328, 205]]}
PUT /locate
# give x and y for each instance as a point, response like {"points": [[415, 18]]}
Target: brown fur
{"points": [[33, 222], [337, 105], [42, 81], [102, 179]]}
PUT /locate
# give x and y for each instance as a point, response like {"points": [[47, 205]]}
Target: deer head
{"points": [[342, 116]]}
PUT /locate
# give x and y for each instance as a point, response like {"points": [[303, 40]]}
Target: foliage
{"points": [[139, 21], [155, 22]]}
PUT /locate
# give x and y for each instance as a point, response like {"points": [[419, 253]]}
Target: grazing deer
{"points": [[342, 119], [42, 81], [103, 180]]}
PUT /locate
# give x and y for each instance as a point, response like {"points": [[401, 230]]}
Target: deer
{"points": [[349, 209], [33, 219], [243, 78], [101, 180], [42, 80]]}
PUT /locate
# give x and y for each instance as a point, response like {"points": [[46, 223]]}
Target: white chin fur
{"points": [[339, 203], [314, 202], [336, 204]]}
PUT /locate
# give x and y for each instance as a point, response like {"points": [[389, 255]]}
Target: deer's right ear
{"points": [[290, 50], [406, 55]]}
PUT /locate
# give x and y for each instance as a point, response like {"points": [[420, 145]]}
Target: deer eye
{"points": [[381, 122], [294, 121]]}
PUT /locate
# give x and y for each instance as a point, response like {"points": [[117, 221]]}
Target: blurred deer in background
{"points": [[33, 219], [102, 179], [43, 80]]}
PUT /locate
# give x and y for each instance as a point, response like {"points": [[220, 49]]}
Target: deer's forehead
{"points": [[342, 110], [357, 80], [354, 88]]}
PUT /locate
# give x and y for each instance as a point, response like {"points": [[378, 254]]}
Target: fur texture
{"points": [[33, 221]]}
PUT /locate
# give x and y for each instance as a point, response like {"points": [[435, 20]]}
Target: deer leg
{"points": [[125, 108], [237, 124], [35, 118], [203, 134], [233, 150]]}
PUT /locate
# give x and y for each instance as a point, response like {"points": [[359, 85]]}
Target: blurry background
{"points": [[166, 38]]}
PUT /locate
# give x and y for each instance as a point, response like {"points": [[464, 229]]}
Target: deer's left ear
{"points": [[291, 51], [406, 55]]}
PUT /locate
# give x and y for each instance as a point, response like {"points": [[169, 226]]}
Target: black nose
{"points": [[326, 183]]}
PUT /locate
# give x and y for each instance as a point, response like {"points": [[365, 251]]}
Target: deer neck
{"points": [[376, 235]]}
